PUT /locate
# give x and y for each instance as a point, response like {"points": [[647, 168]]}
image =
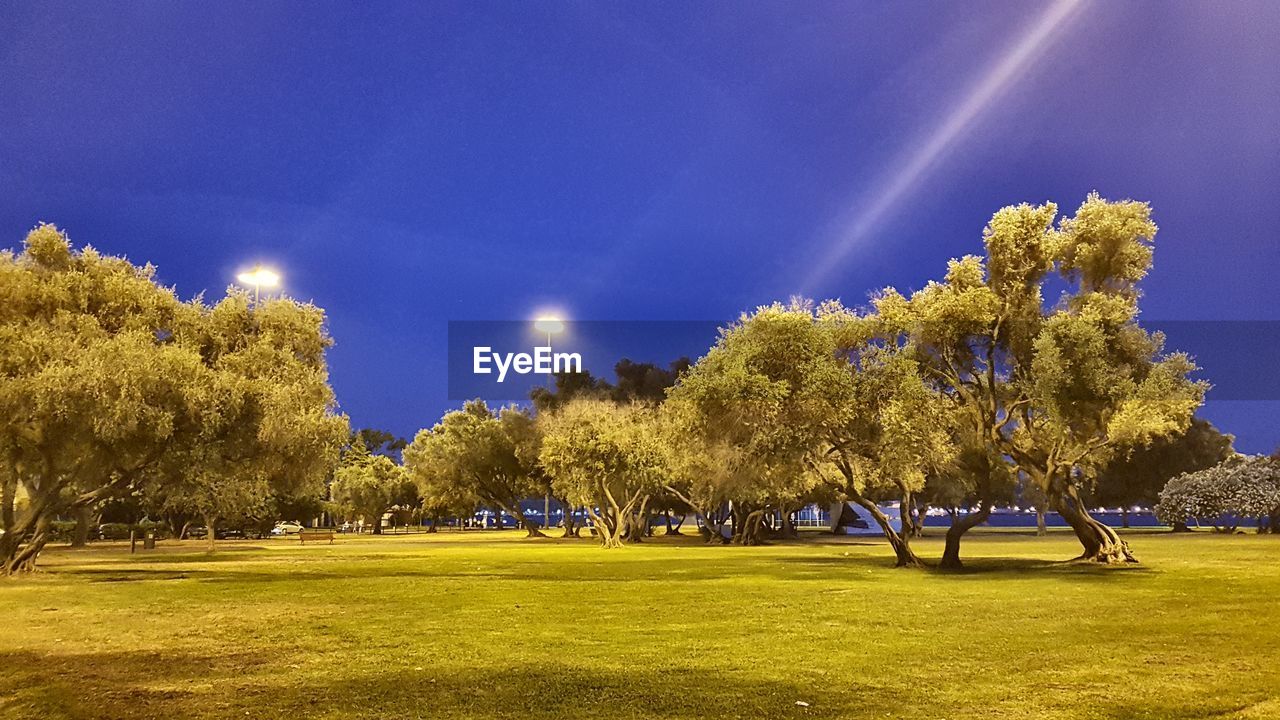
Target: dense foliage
{"points": [[111, 386], [1237, 489]]}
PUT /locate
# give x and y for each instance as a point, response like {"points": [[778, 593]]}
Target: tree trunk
{"points": [[1181, 527], [917, 524], [901, 547], [211, 531], [570, 528], [1124, 518], [788, 524], [752, 524], [608, 529], [713, 527], [22, 559], [530, 527], [84, 517], [960, 526], [904, 516], [1101, 544], [1040, 526]]}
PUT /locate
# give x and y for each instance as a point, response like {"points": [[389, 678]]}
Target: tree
{"points": [[93, 385], [568, 387], [788, 394], [645, 382], [609, 458], [1236, 489], [368, 485], [1137, 475], [475, 453], [112, 387], [1059, 388], [745, 420], [267, 431], [382, 442]]}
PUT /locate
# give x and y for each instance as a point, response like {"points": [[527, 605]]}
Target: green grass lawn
{"points": [[491, 625]]}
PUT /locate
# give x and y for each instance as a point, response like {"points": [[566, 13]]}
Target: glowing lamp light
{"points": [[549, 324], [259, 277]]}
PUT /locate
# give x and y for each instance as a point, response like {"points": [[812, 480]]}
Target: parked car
{"points": [[199, 532], [286, 528]]}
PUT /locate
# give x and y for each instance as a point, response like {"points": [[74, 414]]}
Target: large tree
{"points": [[1057, 387], [109, 385], [790, 394], [267, 430], [608, 458], [93, 385], [477, 453]]}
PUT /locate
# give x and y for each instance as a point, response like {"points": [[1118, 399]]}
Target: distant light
{"points": [[259, 277], [549, 324]]}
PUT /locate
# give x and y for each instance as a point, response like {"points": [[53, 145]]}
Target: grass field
{"points": [[491, 625]]}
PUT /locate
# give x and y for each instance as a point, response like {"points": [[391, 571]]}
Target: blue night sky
{"points": [[408, 164]]}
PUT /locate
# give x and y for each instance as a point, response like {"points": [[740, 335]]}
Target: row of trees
{"points": [[956, 395], [973, 389], [111, 387]]}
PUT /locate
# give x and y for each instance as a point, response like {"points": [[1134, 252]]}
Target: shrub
{"points": [[1223, 495]]}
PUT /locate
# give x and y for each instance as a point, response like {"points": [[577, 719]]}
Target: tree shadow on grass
{"points": [[986, 567], [112, 684], [1011, 568], [125, 685]]}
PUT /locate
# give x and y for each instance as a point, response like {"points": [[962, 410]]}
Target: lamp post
{"points": [[259, 277], [549, 324]]}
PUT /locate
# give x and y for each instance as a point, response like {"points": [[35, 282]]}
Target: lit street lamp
{"points": [[549, 324], [259, 277]]}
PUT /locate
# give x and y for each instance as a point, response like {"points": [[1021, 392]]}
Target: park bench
{"points": [[315, 535]]}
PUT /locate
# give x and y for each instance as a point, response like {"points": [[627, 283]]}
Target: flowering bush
{"points": [[1239, 488]]}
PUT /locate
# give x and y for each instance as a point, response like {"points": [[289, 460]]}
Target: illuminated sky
{"points": [[405, 165]]}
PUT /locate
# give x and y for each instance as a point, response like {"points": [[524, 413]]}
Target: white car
{"points": [[286, 528]]}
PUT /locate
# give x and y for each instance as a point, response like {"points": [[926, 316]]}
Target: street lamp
{"points": [[551, 325], [259, 277]]}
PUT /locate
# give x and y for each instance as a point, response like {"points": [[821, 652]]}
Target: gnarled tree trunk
{"points": [[960, 526], [752, 524], [788, 523], [1101, 543], [905, 556]]}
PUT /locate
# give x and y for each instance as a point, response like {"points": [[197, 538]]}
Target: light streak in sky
{"points": [[923, 155]]}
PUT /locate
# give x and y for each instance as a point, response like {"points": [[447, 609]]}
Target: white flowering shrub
{"points": [[1240, 488]]}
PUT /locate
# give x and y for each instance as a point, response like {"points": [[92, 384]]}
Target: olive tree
{"points": [[111, 386], [93, 387], [1056, 387], [367, 485], [609, 458], [477, 453]]}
